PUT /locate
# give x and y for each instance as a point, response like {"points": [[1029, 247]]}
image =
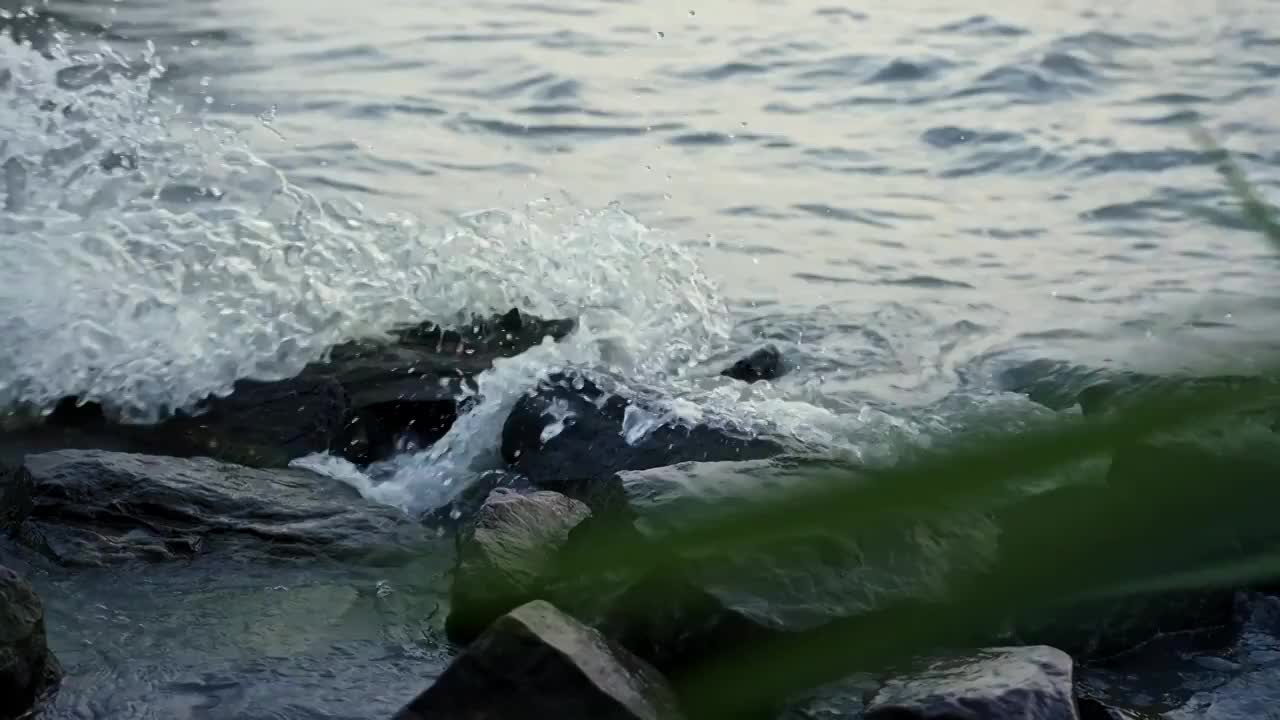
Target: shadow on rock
{"points": [[27, 667]]}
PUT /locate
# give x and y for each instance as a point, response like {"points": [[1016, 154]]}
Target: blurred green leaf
{"points": [[1073, 559]]}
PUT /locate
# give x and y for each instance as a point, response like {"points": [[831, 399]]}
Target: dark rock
{"points": [[96, 508], [1023, 683], [27, 667], [506, 555], [459, 512], [366, 400], [766, 363], [537, 662], [259, 425], [570, 435]]}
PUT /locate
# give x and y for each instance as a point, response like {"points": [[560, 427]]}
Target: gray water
{"points": [[905, 197]]}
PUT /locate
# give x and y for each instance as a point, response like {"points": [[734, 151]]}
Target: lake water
{"points": [[904, 197]]}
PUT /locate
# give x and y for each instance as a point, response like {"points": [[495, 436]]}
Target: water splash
{"points": [[183, 262]]}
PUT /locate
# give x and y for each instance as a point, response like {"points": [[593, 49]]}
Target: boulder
{"points": [[97, 508], [571, 436], [766, 363], [537, 662], [1015, 683], [506, 555], [673, 610], [27, 667]]}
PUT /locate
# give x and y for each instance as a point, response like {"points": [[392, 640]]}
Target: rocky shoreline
{"points": [[536, 636]]}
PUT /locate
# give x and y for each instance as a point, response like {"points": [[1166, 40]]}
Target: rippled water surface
{"points": [[894, 190], [903, 196]]}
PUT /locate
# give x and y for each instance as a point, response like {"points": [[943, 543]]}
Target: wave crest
{"points": [[149, 258]]}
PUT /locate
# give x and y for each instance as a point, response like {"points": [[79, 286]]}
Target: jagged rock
{"points": [[96, 508], [27, 667], [506, 555], [766, 363], [569, 435], [537, 662], [1023, 683]]}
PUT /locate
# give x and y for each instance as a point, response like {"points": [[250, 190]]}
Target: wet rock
{"points": [[506, 555], [261, 424], [1023, 683], [1093, 709], [96, 508], [1168, 505], [674, 610], [1097, 390], [766, 363], [537, 662], [365, 401], [27, 667], [571, 436]]}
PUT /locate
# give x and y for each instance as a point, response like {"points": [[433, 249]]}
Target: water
{"points": [[904, 198]]}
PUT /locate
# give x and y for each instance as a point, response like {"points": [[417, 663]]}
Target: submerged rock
{"points": [[27, 667], [95, 508], [537, 662], [506, 555], [1022, 683], [766, 363], [571, 436]]}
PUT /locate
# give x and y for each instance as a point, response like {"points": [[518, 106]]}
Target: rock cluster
{"points": [[548, 619]]}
